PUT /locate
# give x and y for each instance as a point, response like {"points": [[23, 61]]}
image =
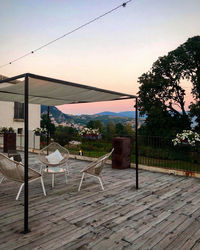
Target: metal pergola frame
{"points": [[26, 76]]}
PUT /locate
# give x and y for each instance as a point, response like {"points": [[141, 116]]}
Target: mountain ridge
{"points": [[61, 117], [130, 114]]}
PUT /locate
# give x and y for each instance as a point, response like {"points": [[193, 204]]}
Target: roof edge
{"points": [[44, 78]]}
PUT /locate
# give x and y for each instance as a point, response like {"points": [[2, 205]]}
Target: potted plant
{"points": [[4, 130], [88, 133], [10, 130], [40, 131], [187, 138], [37, 131], [44, 131]]}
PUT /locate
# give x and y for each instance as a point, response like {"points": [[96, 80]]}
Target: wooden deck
{"points": [[163, 214]]}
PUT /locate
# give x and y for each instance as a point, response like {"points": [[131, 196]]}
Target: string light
{"points": [[66, 34]]}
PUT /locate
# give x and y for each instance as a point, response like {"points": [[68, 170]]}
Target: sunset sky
{"points": [[110, 53]]}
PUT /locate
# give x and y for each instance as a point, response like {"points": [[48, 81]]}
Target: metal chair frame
{"points": [[48, 166], [16, 173], [94, 169]]}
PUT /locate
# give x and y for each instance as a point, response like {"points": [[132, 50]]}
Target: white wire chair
{"points": [[54, 168], [13, 170], [95, 168]]}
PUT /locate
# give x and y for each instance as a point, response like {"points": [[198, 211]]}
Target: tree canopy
{"points": [[96, 124], [162, 96], [46, 123]]}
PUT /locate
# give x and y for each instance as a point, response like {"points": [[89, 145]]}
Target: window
{"points": [[18, 110]]}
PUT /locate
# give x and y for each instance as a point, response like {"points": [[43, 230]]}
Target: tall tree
{"points": [[119, 129], [110, 130], [161, 96], [91, 124], [65, 134], [96, 124], [46, 123], [129, 130]]}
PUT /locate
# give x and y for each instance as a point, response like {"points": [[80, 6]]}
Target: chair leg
{"points": [[101, 183], [43, 188], [20, 189], [67, 169], [66, 177], [41, 170], [101, 179], [81, 182], [53, 180], [2, 179]]}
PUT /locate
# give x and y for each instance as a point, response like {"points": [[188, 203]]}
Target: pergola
{"points": [[37, 89]]}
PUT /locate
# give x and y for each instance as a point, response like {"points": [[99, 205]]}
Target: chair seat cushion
{"points": [[55, 157]]}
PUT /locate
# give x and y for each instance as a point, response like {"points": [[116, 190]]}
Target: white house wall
{"points": [[7, 120], [7, 116]]}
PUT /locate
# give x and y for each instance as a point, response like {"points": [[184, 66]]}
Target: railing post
{"points": [[48, 125], [48, 128]]}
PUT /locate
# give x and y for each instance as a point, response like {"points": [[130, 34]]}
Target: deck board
{"points": [[163, 213]]}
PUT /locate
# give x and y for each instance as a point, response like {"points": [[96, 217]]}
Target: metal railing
{"points": [[153, 151], [160, 152]]}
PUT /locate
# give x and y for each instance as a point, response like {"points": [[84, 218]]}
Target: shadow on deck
{"points": [[163, 213]]}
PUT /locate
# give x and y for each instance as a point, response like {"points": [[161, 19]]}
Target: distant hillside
{"points": [[130, 114], [60, 117], [56, 113]]}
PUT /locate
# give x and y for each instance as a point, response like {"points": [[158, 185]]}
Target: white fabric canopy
{"points": [[53, 92]]}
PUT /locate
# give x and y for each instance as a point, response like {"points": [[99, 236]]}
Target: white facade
{"points": [[7, 116], [7, 120]]}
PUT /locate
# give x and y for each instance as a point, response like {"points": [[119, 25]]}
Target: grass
{"points": [[94, 154], [162, 163], [170, 158]]}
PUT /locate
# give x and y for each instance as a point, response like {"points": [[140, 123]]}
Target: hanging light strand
{"points": [[66, 34]]}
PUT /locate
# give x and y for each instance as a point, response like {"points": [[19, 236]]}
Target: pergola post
{"points": [[26, 115], [136, 141], [48, 125]]}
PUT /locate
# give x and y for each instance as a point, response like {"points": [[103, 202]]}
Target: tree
{"points": [[195, 114], [161, 96], [96, 124], [110, 130], [46, 123], [119, 129], [91, 124], [99, 125], [65, 134], [129, 130]]}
